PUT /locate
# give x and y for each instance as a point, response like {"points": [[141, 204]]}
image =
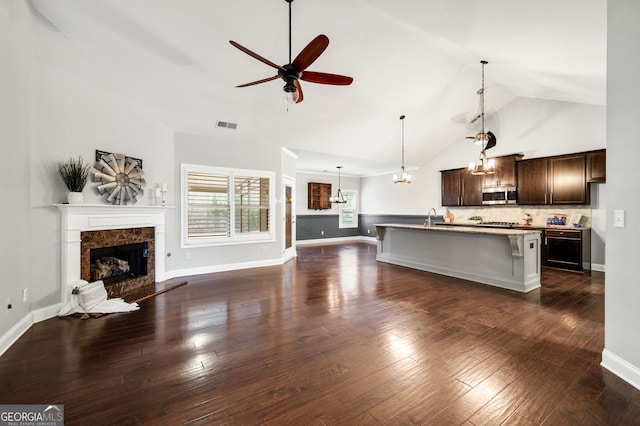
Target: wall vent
{"points": [[226, 125]]}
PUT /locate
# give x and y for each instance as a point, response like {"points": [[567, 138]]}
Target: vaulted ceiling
{"points": [[420, 58]]}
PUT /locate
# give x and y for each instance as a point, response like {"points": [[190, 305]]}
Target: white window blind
{"points": [[251, 204], [222, 206], [208, 201]]}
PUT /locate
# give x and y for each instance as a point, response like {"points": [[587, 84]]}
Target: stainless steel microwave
{"points": [[499, 195]]}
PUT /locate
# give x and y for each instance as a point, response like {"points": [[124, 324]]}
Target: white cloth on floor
{"points": [[91, 298]]}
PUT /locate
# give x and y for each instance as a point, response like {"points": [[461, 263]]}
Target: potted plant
{"points": [[74, 174]]}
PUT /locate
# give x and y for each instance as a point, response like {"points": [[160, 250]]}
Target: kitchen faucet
{"points": [[427, 222]]}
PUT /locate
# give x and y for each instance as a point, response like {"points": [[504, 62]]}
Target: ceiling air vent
{"points": [[226, 125]]}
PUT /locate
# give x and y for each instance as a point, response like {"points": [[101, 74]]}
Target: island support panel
{"points": [[506, 261]]}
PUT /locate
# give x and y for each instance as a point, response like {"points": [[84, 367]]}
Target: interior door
{"points": [[289, 218]]}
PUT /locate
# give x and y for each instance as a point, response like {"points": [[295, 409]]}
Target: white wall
{"points": [[622, 287], [347, 183], [536, 128], [56, 104], [209, 151], [15, 51]]}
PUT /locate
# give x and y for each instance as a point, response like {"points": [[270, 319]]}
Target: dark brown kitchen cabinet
{"points": [[460, 188], [532, 181], [553, 180], [567, 180], [318, 196], [597, 166], [505, 172], [450, 185], [567, 248], [471, 191]]}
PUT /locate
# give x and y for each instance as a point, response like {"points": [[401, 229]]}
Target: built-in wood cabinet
{"points": [[532, 181], [318, 196], [567, 180], [471, 191], [557, 180], [553, 180], [505, 172], [597, 166], [450, 185], [460, 188]]}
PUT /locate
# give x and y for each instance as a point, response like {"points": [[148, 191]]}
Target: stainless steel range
{"points": [[498, 224]]}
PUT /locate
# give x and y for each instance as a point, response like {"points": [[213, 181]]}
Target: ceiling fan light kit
{"points": [[339, 198], [295, 70], [403, 176], [486, 140]]}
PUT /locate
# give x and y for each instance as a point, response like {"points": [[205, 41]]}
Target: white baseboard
{"points": [[220, 268], [357, 238], [15, 332], [621, 368], [21, 327], [598, 267]]}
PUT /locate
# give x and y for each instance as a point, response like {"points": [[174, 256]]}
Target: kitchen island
{"points": [[507, 258]]}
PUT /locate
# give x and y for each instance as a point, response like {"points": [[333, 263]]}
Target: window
{"points": [[348, 214], [224, 206]]}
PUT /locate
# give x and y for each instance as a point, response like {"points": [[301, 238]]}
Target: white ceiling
{"points": [[420, 58]]}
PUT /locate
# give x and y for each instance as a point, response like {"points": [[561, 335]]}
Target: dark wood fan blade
{"points": [[324, 78], [256, 56], [311, 52], [492, 140], [264, 80], [297, 95]]}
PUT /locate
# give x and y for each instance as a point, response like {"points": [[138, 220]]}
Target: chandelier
{"points": [[339, 198], [485, 139], [403, 176]]}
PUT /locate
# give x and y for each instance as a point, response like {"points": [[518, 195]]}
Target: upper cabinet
{"points": [[597, 166], [319, 194], [553, 180], [532, 181], [505, 172], [460, 188], [450, 185]]}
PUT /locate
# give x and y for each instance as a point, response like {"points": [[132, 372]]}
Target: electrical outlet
{"points": [[368, 231], [25, 295], [618, 218], [321, 232], [187, 255]]}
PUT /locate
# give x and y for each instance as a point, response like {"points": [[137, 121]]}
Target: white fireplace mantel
{"points": [[76, 218]]}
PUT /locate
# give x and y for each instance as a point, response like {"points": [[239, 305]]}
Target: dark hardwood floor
{"points": [[332, 337]]}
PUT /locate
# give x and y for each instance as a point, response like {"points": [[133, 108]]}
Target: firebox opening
{"points": [[118, 263]]}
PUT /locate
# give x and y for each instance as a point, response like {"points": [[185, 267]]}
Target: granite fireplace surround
{"points": [[92, 226], [130, 289]]}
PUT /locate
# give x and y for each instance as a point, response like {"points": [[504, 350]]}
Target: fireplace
{"points": [[99, 228], [122, 258], [118, 263]]}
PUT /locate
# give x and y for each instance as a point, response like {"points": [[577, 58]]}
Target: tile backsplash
{"points": [[539, 214]]}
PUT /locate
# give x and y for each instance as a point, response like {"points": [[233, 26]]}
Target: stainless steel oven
{"points": [[499, 195]]}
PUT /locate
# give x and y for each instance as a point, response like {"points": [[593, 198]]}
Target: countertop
{"points": [[525, 227], [461, 228]]}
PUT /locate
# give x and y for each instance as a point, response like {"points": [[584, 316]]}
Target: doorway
{"points": [[289, 218]]}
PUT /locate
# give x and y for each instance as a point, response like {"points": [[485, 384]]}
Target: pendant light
{"points": [[403, 176], [339, 198], [485, 139]]}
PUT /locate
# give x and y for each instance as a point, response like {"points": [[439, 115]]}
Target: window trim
{"points": [[341, 224], [233, 237]]}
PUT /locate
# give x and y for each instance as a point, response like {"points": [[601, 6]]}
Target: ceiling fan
{"points": [[486, 139], [295, 70]]}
